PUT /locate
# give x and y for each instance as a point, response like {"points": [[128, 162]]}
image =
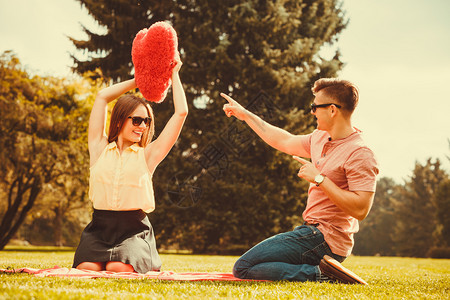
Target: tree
{"points": [[375, 235], [38, 134], [239, 189], [416, 211], [443, 213]]}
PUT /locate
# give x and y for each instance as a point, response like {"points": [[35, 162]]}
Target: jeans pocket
{"points": [[314, 255]]}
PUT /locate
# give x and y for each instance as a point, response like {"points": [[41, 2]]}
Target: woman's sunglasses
{"points": [[136, 121], [316, 106]]}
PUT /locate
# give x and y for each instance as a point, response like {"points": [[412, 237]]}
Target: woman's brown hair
{"points": [[122, 110]]}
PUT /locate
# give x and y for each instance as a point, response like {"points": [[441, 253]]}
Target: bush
{"points": [[232, 249], [439, 252]]}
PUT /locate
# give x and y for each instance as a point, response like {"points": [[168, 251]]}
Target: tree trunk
{"points": [[58, 225], [15, 216]]}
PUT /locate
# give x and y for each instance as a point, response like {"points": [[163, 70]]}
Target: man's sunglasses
{"points": [[136, 121], [316, 106]]}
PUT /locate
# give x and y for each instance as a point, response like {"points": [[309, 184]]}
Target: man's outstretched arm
{"points": [[276, 137]]}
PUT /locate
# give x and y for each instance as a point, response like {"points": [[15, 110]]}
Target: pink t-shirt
{"points": [[352, 166]]}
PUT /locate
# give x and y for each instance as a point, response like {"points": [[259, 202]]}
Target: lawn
{"points": [[388, 278]]}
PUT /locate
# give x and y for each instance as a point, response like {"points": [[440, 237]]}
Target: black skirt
{"points": [[125, 236]]}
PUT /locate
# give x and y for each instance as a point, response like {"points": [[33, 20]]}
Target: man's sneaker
{"points": [[323, 278], [331, 268]]}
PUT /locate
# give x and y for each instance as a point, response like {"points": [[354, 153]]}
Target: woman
{"points": [[120, 237]]}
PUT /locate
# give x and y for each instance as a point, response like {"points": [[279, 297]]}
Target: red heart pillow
{"points": [[153, 54]]}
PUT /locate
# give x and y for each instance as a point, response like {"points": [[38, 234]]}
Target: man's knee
{"points": [[241, 268]]}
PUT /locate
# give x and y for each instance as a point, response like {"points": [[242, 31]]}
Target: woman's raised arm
{"points": [[97, 121], [158, 149]]}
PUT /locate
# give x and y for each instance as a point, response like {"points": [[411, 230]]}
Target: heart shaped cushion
{"points": [[153, 54]]}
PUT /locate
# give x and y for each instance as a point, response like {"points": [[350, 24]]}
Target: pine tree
{"points": [[221, 186], [375, 235], [443, 213], [416, 209]]}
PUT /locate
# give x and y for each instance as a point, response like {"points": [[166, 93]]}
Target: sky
{"points": [[396, 51]]}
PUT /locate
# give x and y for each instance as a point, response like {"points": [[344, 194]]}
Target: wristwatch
{"points": [[319, 179]]}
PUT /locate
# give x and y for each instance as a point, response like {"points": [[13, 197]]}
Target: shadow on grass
{"points": [[195, 282]]}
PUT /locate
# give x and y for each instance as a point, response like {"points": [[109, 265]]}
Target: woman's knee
{"points": [[117, 266], [91, 266]]}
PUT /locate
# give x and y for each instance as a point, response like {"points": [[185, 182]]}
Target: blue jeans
{"points": [[293, 255]]}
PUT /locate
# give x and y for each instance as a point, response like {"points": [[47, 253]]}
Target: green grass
{"points": [[388, 278]]}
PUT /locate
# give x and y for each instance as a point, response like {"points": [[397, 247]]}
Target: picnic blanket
{"points": [[165, 275]]}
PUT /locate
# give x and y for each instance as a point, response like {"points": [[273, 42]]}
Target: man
{"points": [[342, 173]]}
